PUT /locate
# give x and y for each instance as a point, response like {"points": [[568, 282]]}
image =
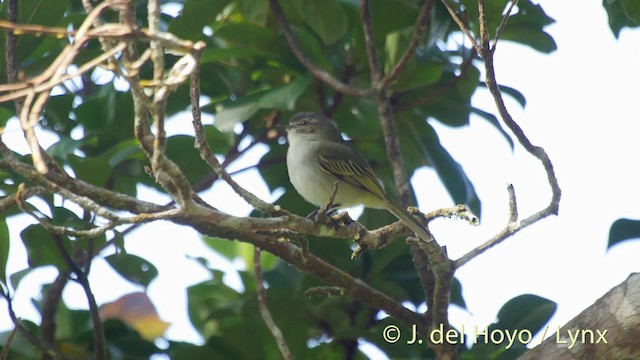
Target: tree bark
{"points": [[609, 329]]}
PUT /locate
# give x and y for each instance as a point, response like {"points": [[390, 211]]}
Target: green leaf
{"points": [[226, 248], [133, 268], [526, 27], [632, 10], [311, 47], [245, 35], [449, 171], [4, 250], [456, 293], [284, 97], [273, 169], [57, 111], [622, 230], [622, 13], [181, 151], [218, 55], [41, 247], [227, 118], [254, 11], [494, 121], [64, 147], [195, 15], [16, 277], [38, 12], [525, 312], [515, 94], [5, 115], [94, 170], [325, 17], [419, 74]]}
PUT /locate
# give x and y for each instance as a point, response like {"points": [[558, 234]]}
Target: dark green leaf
{"points": [[181, 151], [525, 312], [311, 47], [195, 15], [622, 230], [526, 27], [133, 268], [38, 12], [5, 115], [4, 250], [57, 113], [245, 35], [254, 11], [419, 75], [41, 247], [456, 293], [94, 170], [622, 13], [494, 121], [326, 18], [215, 55], [449, 171], [632, 10], [284, 97], [17, 277]]}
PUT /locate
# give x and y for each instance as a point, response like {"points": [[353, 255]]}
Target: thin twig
{"points": [[99, 340], [503, 23], [461, 25], [308, 63], [264, 308], [370, 43], [552, 208], [202, 144], [507, 231], [7, 345]]}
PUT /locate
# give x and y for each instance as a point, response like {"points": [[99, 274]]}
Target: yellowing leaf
{"points": [[137, 311]]}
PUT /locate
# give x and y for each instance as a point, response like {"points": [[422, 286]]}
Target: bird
{"points": [[318, 157]]}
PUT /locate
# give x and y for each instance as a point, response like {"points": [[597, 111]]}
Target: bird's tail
{"points": [[408, 219]]}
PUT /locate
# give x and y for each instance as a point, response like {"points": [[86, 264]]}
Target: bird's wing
{"points": [[355, 171]]}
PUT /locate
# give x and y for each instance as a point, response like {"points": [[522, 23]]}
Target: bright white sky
{"points": [[581, 107]]}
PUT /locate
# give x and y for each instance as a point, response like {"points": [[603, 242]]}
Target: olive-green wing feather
{"points": [[344, 163]]}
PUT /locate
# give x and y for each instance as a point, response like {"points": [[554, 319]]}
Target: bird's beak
{"points": [[283, 127]]}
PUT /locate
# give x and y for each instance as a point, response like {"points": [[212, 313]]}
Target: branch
{"points": [[264, 309], [432, 264], [49, 306], [536, 151], [507, 231], [486, 53], [99, 341], [608, 329], [308, 63]]}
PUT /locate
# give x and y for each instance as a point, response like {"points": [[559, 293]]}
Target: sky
{"points": [[581, 107]]}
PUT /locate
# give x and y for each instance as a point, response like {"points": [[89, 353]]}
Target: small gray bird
{"points": [[318, 156]]}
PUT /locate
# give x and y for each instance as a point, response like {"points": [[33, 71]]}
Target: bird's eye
{"points": [[302, 122]]}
